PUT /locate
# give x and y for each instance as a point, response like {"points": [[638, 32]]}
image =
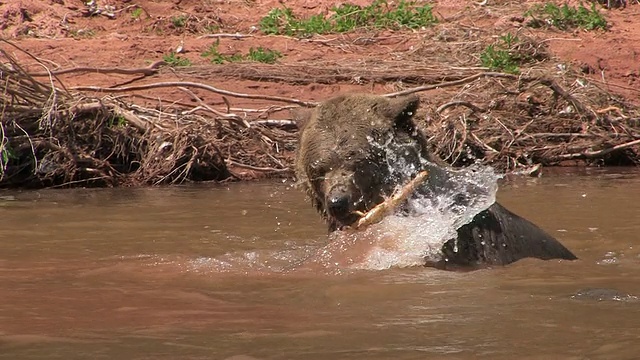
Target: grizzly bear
{"points": [[345, 147]]}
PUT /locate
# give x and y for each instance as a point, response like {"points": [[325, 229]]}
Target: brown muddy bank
{"points": [[55, 137], [106, 109]]}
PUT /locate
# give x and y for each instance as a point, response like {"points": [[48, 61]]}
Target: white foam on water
{"points": [[248, 262]]}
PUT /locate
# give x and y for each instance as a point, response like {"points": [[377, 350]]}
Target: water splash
{"points": [[416, 235], [431, 218]]}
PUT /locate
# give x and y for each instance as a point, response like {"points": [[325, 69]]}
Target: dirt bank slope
{"points": [[571, 100]]}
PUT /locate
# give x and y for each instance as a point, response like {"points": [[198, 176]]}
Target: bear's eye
{"points": [[317, 169]]}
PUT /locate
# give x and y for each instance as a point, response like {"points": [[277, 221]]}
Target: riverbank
{"points": [[157, 92]]}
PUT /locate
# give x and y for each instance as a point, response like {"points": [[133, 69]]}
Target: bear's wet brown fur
{"points": [[342, 161]]}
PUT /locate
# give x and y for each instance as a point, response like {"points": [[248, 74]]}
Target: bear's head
{"points": [[354, 150]]}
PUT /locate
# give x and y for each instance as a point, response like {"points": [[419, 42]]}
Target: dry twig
{"points": [[195, 85], [146, 71], [389, 205]]}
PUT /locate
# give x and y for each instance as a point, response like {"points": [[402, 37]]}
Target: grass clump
{"points": [[6, 154], [116, 121], [179, 21], [259, 54], [175, 60], [136, 13], [506, 55], [566, 17], [263, 55], [214, 55], [347, 17]]}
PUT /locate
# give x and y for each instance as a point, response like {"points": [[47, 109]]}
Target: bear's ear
{"points": [[403, 108], [301, 116]]}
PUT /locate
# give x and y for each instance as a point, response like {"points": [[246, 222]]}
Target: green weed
{"points": [[409, 16], [504, 56], [179, 21], [276, 21], [566, 17], [259, 54], [263, 55], [6, 154], [348, 17], [216, 57], [211, 28], [136, 13], [116, 121], [175, 60]]}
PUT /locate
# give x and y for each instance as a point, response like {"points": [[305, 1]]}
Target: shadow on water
{"points": [[211, 272]]}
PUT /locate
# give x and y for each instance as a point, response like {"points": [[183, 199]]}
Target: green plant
{"points": [[277, 21], [179, 21], [136, 13], [316, 24], [408, 15], [498, 59], [263, 55], [509, 40], [348, 17], [116, 121], [212, 28], [6, 154], [259, 54], [175, 60], [216, 57], [504, 55], [566, 17]]}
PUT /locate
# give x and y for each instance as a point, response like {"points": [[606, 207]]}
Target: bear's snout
{"points": [[339, 202]]}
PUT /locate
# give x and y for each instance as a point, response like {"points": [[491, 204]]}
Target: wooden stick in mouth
{"points": [[390, 204]]}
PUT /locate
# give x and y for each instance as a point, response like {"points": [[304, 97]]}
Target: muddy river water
{"points": [[205, 272]]}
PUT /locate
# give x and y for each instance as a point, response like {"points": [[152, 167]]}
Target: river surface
{"points": [[213, 272]]}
